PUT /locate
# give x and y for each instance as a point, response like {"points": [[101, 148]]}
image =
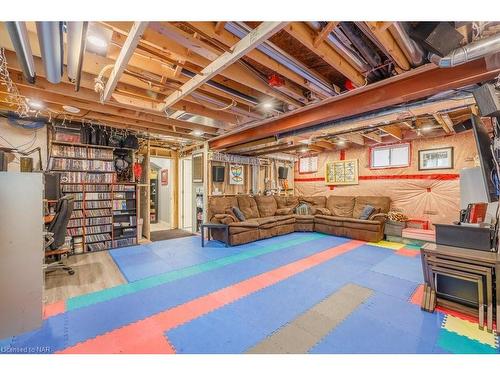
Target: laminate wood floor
{"points": [[93, 272]]}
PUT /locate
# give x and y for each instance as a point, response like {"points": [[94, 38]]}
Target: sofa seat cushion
{"points": [[329, 220], [267, 222], [237, 230], [280, 218], [248, 206], [304, 218], [244, 224], [371, 225], [382, 203], [340, 205], [290, 220], [267, 205]]}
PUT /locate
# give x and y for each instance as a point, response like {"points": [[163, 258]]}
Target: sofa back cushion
{"points": [[315, 202], [342, 206], [219, 205], [267, 205], [383, 203], [248, 206], [289, 201]]}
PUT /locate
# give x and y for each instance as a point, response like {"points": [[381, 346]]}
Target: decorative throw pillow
{"points": [[239, 215], [303, 209], [366, 212]]}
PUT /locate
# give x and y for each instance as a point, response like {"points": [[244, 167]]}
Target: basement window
{"points": [[394, 156]]}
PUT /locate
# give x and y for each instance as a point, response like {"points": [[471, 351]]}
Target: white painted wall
{"points": [[165, 191], [11, 137]]}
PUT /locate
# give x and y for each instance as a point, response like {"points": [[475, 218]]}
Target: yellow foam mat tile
{"points": [[388, 244], [470, 330]]}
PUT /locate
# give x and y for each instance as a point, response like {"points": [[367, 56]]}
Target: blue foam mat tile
{"points": [[6, 344], [369, 254], [363, 335], [213, 335], [403, 316], [49, 338], [406, 268], [386, 284]]}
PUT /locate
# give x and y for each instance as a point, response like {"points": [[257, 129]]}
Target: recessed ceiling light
{"points": [[426, 128], [71, 109], [341, 142], [267, 105], [197, 133], [303, 150], [96, 41], [35, 104], [305, 141]]}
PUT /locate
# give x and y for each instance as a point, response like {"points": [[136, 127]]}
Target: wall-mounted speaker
{"points": [[218, 172], [487, 100], [282, 173], [437, 37]]}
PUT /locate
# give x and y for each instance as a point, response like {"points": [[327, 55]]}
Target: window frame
{"points": [[390, 146]]}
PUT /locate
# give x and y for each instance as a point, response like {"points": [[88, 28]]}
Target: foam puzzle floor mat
{"points": [[297, 293]]}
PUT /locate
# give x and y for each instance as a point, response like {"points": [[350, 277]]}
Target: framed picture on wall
{"points": [[197, 167], [236, 174], [308, 164], [164, 176], [436, 158], [342, 172]]}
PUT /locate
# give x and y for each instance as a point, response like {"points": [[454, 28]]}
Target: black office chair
{"points": [[56, 235]]}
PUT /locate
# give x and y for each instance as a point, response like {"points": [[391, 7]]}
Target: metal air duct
{"points": [[51, 47], [19, 36], [412, 50], [77, 36], [469, 52]]}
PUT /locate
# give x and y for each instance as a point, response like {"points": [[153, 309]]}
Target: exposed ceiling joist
{"points": [[252, 144], [447, 127], [325, 144], [306, 35], [392, 130], [373, 136], [249, 42], [355, 138], [384, 36], [324, 32], [123, 58]]}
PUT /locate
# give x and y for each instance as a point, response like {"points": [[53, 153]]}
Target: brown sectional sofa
{"points": [[269, 216]]}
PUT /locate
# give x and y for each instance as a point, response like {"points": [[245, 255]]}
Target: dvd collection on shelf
{"points": [[104, 213]]}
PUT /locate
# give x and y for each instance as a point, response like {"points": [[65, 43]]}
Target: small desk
{"points": [[211, 226]]}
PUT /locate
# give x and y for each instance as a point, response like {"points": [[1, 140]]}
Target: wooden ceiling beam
{"points": [[324, 32], [417, 84], [219, 26], [326, 145], [88, 100], [355, 138], [253, 39], [305, 36], [235, 72], [123, 58], [373, 136], [392, 130], [446, 126], [228, 39], [384, 36]]}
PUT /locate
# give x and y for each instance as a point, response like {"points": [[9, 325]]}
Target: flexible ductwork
{"points": [[19, 36], [413, 52], [51, 47], [77, 36], [358, 62], [469, 52], [241, 30]]}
